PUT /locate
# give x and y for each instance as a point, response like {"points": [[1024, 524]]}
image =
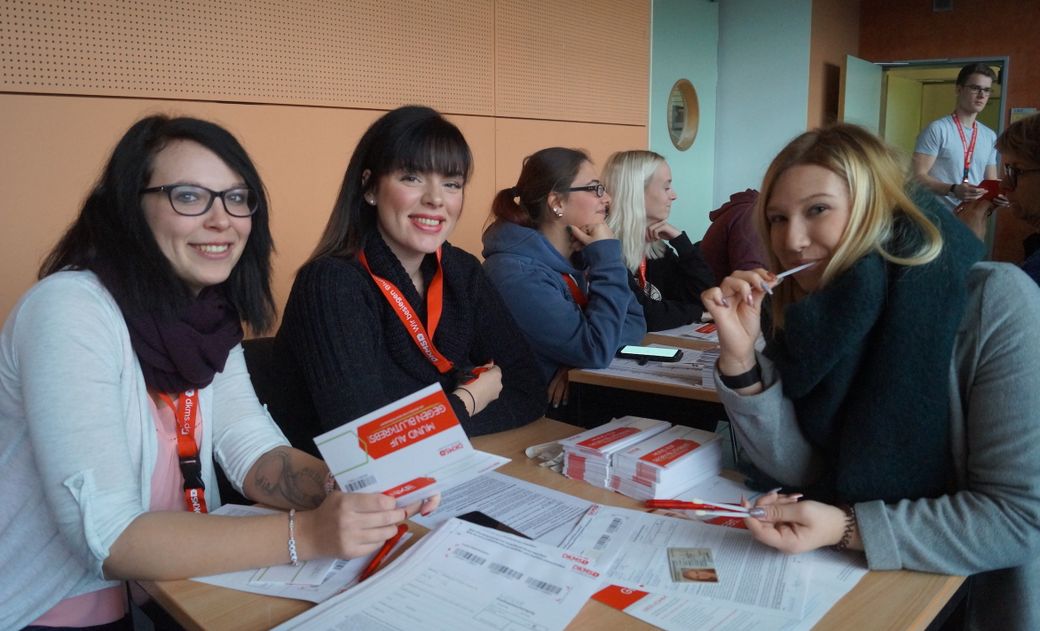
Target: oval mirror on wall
{"points": [[684, 114]]}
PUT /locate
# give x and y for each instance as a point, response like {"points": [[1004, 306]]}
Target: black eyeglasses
{"points": [[1012, 172], [978, 89], [598, 189], [191, 201]]}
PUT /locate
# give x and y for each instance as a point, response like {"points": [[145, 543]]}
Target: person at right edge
{"points": [[898, 386]]}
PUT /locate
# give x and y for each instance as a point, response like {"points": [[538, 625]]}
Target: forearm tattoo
{"points": [[277, 477]]}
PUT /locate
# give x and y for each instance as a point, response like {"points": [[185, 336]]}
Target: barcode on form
{"points": [[544, 587], [465, 555], [508, 572], [359, 483]]}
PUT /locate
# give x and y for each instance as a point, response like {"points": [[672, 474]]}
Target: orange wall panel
{"points": [[298, 81], [301, 153], [835, 34], [517, 139]]}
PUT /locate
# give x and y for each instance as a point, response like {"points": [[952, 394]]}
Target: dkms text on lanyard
{"points": [[186, 413]]}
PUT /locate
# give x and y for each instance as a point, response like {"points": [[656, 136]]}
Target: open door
{"points": [[859, 99]]}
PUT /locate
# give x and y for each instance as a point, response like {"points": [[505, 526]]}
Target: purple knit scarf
{"points": [[188, 350]]}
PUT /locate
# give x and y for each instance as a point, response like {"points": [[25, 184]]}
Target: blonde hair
{"points": [[876, 180], [625, 175]]}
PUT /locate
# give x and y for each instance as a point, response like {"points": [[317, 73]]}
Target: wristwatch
{"points": [[952, 187]]}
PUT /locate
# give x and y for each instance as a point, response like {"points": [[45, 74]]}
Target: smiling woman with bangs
{"points": [[344, 346]]}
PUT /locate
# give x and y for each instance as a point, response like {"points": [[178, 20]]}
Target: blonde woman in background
{"points": [[665, 270]]}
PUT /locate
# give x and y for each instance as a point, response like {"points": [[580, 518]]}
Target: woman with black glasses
{"points": [[123, 386], [559, 267]]}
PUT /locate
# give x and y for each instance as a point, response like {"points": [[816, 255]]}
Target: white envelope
{"points": [[410, 449]]}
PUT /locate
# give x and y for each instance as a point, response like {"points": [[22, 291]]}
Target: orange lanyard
{"points": [[576, 293], [404, 311], [642, 274], [969, 149], [186, 414]]}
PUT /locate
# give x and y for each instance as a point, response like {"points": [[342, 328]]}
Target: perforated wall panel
{"points": [[581, 60], [342, 53]]}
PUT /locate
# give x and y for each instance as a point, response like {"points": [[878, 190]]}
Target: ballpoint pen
{"points": [[707, 509], [779, 277], [373, 565]]}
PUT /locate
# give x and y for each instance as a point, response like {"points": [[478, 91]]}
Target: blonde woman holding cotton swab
{"points": [[898, 388]]}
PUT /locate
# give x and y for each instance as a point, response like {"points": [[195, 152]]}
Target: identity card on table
{"points": [[749, 575], [410, 449], [464, 576]]}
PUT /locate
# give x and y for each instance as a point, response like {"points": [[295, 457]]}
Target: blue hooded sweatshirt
{"points": [[528, 273]]}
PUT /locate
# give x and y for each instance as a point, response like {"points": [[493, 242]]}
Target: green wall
{"points": [[685, 39]]}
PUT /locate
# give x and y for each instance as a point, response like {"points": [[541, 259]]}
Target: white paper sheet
{"points": [[696, 368], [705, 332], [750, 574], [538, 512], [410, 449], [463, 576], [339, 574], [834, 574]]}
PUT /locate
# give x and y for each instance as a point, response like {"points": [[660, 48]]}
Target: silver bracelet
{"points": [[294, 559]]}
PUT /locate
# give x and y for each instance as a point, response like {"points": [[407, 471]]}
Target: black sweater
{"points": [[679, 277], [346, 353]]}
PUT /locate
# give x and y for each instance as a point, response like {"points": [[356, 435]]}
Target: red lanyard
{"points": [[642, 274], [969, 149], [404, 311], [576, 293], [186, 414]]}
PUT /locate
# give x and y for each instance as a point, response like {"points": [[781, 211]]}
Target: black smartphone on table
{"points": [[650, 353]]}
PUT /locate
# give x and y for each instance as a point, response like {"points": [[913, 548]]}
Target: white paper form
{"points": [[538, 512], [749, 573], [463, 576], [834, 574], [339, 574], [410, 449], [695, 368], [706, 332]]}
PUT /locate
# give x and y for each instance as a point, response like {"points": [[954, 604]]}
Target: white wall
{"points": [[763, 89], [685, 46]]}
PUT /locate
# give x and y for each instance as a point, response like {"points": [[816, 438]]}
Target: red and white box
{"points": [[667, 464], [410, 449], [587, 456]]}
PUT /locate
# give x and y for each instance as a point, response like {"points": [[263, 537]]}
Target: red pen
{"points": [[373, 565], [476, 372]]}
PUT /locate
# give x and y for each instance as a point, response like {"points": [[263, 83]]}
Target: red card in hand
{"points": [[992, 188]]}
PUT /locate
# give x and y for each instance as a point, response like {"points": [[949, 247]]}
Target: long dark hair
{"points": [[545, 171], [111, 236], [411, 138]]}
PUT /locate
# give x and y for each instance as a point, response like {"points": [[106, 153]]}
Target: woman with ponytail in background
{"points": [[558, 266]]}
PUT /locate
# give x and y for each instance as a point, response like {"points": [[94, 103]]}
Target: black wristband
{"points": [[743, 380], [951, 189]]}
